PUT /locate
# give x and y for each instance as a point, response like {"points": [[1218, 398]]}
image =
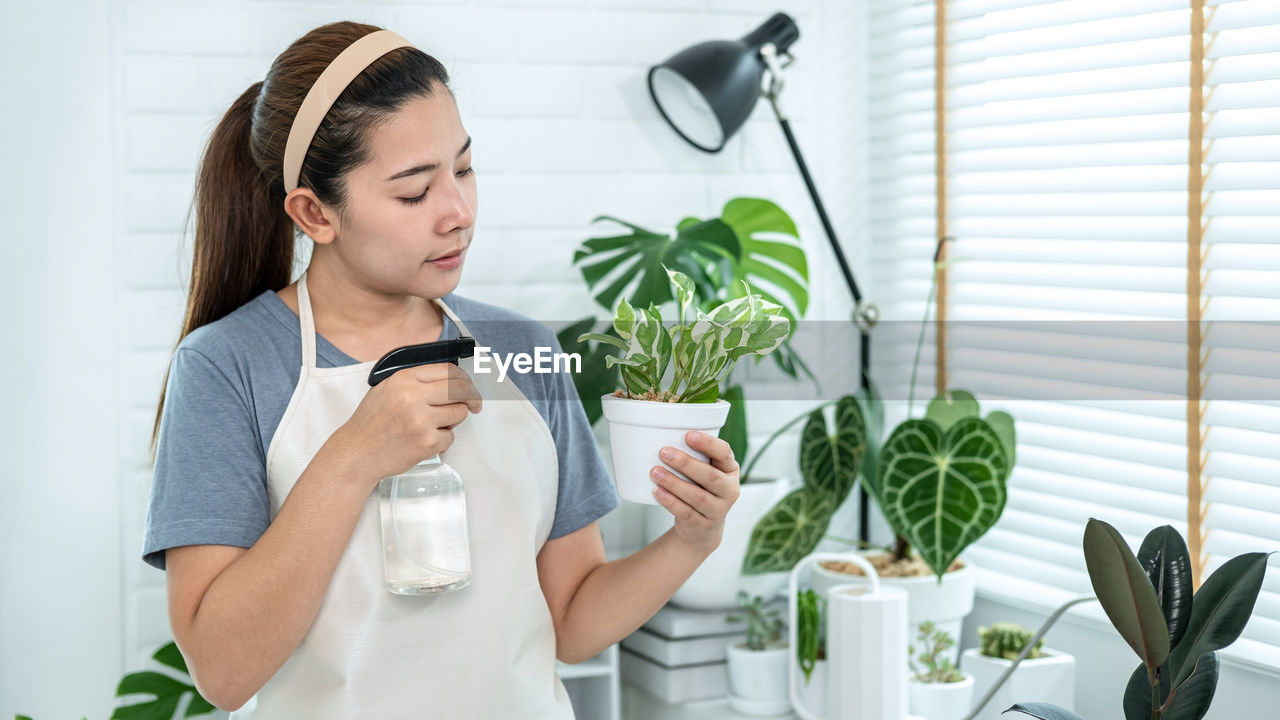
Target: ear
{"points": [[312, 216]]}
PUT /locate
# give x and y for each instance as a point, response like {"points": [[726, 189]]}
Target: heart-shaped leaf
{"points": [[1044, 711], [1126, 594], [1219, 611], [788, 532], [1002, 423], [829, 467], [1164, 557], [950, 407], [829, 463], [942, 490]]}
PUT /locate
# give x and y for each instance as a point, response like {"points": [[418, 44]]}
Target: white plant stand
{"points": [[593, 685]]}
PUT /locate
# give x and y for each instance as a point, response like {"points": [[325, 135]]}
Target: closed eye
{"points": [[418, 199]]}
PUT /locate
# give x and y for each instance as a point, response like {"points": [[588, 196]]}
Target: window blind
{"points": [[1241, 201], [1066, 190]]}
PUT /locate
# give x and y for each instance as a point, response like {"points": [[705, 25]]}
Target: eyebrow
{"points": [[429, 167]]}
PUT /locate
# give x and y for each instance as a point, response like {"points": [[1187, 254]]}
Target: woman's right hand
{"points": [[409, 417]]}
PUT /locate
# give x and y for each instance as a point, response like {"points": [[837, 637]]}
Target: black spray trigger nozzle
{"points": [[414, 355]]}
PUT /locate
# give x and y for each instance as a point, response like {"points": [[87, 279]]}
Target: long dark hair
{"points": [[244, 240]]}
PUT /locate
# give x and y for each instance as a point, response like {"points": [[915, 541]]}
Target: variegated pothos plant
{"points": [[699, 353]]}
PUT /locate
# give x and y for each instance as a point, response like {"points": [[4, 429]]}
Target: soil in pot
{"points": [[887, 565]]}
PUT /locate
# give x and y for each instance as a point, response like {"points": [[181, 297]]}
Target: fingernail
{"points": [[656, 473], [693, 437], [667, 453]]}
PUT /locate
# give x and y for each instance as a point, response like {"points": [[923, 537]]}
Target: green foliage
{"points": [[1006, 640], [700, 352], [763, 626], [941, 480], [165, 690], [932, 667], [753, 240], [828, 466], [809, 631], [1179, 671]]}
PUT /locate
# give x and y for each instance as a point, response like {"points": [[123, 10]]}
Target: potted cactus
{"points": [[937, 690], [758, 667], [654, 411], [1045, 673]]}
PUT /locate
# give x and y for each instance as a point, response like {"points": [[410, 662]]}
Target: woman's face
{"points": [[414, 201]]}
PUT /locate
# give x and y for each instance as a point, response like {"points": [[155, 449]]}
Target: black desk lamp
{"points": [[707, 91]]}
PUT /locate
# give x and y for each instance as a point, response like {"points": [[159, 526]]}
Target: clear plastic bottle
{"points": [[424, 530]]}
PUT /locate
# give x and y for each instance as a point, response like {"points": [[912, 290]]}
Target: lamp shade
{"points": [[707, 91]]}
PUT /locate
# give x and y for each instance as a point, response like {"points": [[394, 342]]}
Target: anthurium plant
{"points": [[940, 480], [699, 352], [1175, 630]]}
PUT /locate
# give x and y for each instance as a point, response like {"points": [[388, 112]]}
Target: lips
{"points": [[452, 253]]}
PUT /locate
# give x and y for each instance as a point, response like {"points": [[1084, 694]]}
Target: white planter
{"points": [[946, 604], [638, 429], [941, 701], [1050, 679], [715, 584], [758, 679]]}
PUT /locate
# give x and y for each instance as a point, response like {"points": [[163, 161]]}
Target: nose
{"points": [[457, 211]]}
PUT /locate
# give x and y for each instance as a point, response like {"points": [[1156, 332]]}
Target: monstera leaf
{"points": [[942, 489], [829, 466], [641, 256], [780, 264], [166, 690]]}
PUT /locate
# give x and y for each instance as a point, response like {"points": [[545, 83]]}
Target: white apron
{"points": [[485, 651]]}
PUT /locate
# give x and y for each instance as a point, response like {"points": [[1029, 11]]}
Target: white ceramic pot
{"points": [[1050, 679], [715, 584], [941, 701], [946, 603], [638, 429], [758, 679]]}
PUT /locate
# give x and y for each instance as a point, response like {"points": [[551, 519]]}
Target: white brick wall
{"points": [[553, 94]]}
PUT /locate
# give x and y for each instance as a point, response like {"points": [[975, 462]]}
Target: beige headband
{"points": [[335, 78]]}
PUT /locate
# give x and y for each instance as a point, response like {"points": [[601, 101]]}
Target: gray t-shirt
{"points": [[230, 382]]}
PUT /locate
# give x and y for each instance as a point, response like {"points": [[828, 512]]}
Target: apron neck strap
{"points": [[308, 324]]}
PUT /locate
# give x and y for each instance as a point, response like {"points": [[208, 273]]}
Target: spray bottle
{"points": [[425, 546]]}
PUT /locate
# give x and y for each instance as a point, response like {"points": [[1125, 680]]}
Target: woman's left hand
{"points": [[699, 509]]}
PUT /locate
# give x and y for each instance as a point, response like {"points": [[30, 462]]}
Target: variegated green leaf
{"points": [[788, 532], [942, 490], [624, 320], [683, 286]]}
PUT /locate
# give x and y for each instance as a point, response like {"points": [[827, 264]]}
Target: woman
{"points": [[270, 444]]}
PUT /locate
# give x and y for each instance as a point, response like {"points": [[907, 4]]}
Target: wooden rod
{"points": [[940, 153], [1196, 406]]}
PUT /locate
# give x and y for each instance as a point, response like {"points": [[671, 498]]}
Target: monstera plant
{"points": [[752, 241], [1175, 631]]}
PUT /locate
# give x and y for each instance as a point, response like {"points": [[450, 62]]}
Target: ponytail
{"points": [[244, 238]]}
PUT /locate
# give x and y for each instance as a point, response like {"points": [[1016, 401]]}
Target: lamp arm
{"points": [[865, 314]]}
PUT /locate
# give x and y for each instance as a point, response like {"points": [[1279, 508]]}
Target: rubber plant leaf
{"points": [[1125, 593]]}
